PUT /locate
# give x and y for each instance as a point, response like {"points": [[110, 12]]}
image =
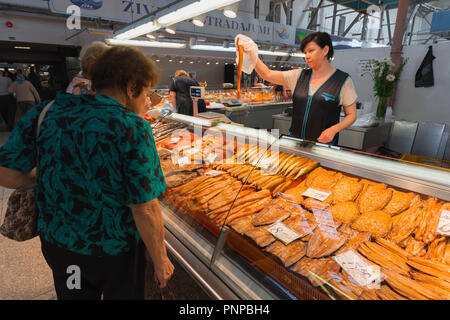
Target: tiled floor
{"points": [[24, 274]]}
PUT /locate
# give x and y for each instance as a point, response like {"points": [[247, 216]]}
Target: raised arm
{"points": [[272, 76]]}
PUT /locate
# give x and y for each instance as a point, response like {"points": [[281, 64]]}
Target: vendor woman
{"points": [[318, 92]]}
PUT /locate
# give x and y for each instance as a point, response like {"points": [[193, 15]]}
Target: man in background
{"points": [[6, 101]]}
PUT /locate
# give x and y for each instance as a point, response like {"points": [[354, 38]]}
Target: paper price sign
{"points": [[316, 194], [211, 158], [264, 164], [444, 223], [283, 233], [174, 140], [363, 273], [184, 161]]}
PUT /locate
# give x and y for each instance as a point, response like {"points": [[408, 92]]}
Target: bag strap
{"points": [[38, 129], [42, 116]]}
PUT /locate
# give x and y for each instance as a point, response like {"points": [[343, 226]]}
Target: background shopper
{"points": [[99, 177], [26, 95], [180, 95], [6, 101], [81, 83]]}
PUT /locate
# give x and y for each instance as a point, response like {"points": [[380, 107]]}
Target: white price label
{"points": [[211, 158], [283, 233], [214, 172], [184, 161], [316, 194], [363, 273], [444, 223], [193, 150], [174, 140], [264, 163]]}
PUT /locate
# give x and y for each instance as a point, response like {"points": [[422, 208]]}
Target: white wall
{"points": [[414, 104]]}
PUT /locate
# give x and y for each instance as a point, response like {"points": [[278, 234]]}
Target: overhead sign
{"points": [[115, 10], [216, 24]]}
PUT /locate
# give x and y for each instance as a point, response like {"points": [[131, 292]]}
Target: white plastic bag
{"points": [[250, 56]]}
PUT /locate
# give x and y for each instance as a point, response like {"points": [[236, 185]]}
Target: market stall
{"points": [[301, 221]]}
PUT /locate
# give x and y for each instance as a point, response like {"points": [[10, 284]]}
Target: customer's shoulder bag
{"points": [[21, 216]]}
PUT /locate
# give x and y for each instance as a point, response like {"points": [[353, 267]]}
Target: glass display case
{"points": [[255, 216]]}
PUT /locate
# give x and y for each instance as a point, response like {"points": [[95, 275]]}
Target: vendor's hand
{"points": [[250, 50], [327, 135], [163, 272]]}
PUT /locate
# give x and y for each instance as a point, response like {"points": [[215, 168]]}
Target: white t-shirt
{"points": [[348, 93], [5, 83]]}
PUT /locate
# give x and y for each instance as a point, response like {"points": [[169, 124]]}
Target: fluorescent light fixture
{"points": [[199, 21], [231, 10], [302, 55], [191, 62], [144, 43], [170, 60], [181, 61], [213, 48], [171, 29], [22, 48], [151, 36], [273, 53], [193, 10], [157, 60], [138, 31]]}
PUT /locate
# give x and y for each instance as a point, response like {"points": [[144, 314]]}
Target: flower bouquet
{"points": [[384, 79]]}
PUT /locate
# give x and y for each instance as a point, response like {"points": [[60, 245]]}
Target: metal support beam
{"points": [[413, 13], [256, 10], [314, 15], [364, 28], [351, 24], [380, 29], [388, 20], [397, 41], [303, 14], [334, 18]]}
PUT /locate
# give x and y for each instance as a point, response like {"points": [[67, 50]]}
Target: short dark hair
{"points": [[118, 66], [322, 39]]}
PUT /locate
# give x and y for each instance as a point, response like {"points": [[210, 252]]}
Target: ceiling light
{"points": [[181, 61], [138, 31], [157, 60], [171, 29], [192, 10], [207, 62], [170, 60], [297, 55], [213, 48], [273, 53], [22, 48], [191, 62], [151, 36], [231, 10], [144, 43], [199, 21], [217, 62]]}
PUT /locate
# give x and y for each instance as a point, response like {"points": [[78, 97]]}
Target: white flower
{"points": [[390, 77], [375, 67], [377, 61]]}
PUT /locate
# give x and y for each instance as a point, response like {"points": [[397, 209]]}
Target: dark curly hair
{"points": [[121, 65], [322, 39]]}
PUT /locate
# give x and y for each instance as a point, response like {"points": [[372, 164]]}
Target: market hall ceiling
{"points": [[362, 5]]}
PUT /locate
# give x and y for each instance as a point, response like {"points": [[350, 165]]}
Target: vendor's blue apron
{"points": [[312, 114]]}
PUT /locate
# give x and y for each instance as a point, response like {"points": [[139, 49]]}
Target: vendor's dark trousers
{"points": [[119, 277]]}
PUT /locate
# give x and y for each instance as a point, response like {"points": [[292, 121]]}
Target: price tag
{"points": [[193, 150], [316, 194], [211, 158], [264, 163], [363, 273], [283, 233], [184, 161], [174, 140], [444, 223], [214, 172]]}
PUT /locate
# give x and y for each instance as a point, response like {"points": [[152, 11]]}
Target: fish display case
{"points": [[251, 215]]}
